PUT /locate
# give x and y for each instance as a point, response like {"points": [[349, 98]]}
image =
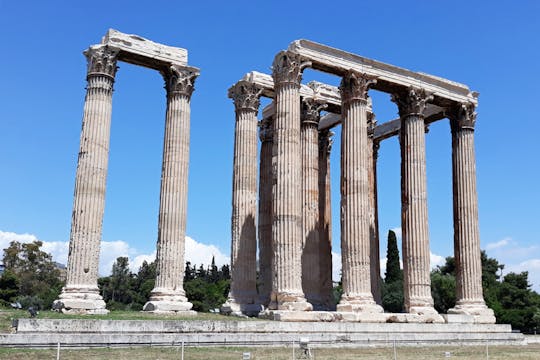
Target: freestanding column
{"points": [[325, 221], [243, 294], [309, 137], [286, 192], [374, 257], [470, 299], [265, 211], [414, 211], [355, 203], [168, 294], [81, 293]]}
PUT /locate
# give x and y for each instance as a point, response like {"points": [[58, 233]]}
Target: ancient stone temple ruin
{"points": [[81, 294], [293, 221]]}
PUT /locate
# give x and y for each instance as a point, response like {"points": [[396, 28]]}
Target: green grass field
{"points": [[403, 353]]}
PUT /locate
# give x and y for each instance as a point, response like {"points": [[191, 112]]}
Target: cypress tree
{"points": [[393, 270]]}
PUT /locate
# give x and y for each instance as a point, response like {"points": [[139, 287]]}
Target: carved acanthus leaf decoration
{"points": [[412, 102], [101, 60], [311, 111], [463, 116], [180, 80], [265, 129], [246, 95], [287, 68], [326, 140], [355, 86]]}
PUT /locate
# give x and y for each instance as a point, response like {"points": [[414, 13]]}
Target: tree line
{"points": [[32, 278]]}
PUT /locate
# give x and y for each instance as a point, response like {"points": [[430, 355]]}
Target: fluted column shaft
{"points": [[469, 294], [265, 212], [355, 199], [309, 137], [414, 212], [244, 196], [287, 291], [325, 221], [375, 261], [168, 293], [90, 184]]}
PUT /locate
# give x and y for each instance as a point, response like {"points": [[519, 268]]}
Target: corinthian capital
{"points": [[462, 116], [180, 80], [412, 102], [325, 141], [355, 86], [101, 60], [288, 67], [311, 110], [246, 95], [265, 129]]}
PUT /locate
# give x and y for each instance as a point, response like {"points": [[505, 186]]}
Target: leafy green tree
{"points": [[443, 290], [392, 288], [118, 289], [519, 304], [9, 287], [38, 275]]}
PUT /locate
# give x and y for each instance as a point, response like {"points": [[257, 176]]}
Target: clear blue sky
{"points": [[492, 46]]}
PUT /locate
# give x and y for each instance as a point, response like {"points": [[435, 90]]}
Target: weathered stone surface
{"points": [[140, 51], [168, 294], [390, 77], [81, 292], [287, 196], [265, 211], [355, 208], [243, 291], [416, 267], [325, 221]]}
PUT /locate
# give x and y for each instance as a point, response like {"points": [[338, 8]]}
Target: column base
{"points": [[289, 302], [80, 300], [478, 310], [168, 301], [424, 310], [359, 304], [241, 309]]}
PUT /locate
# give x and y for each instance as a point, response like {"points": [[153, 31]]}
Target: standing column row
{"points": [[168, 294], [81, 293], [243, 296]]}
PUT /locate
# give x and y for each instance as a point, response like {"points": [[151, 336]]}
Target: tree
{"points": [[38, 276], [393, 268], [9, 287], [118, 288], [392, 289]]}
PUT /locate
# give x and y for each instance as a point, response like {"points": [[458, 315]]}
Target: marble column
{"points": [[265, 211], [414, 212], [309, 144], [374, 257], [470, 299], [168, 294], [287, 291], [325, 221], [81, 293], [243, 298], [355, 203]]}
